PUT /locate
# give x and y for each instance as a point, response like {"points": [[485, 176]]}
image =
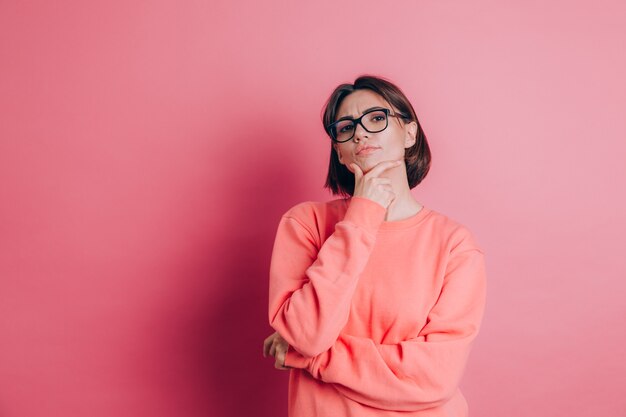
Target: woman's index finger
{"points": [[382, 167]]}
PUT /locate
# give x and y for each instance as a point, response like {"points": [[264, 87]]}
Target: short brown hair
{"points": [[417, 158]]}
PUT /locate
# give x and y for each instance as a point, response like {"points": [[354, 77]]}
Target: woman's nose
{"points": [[359, 132]]}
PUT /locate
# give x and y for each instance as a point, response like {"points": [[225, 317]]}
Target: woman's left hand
{"points": [[276, 346]]}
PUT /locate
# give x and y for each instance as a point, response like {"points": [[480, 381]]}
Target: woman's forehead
{"points": [[357, 102]]}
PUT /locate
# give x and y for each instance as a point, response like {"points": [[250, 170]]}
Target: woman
{"points": [[375, 298]]}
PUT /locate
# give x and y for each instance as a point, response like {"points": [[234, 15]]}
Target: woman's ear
{"points": [[411, 134]]}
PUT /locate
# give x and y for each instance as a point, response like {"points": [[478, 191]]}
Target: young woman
{"points": [[375, 298]]}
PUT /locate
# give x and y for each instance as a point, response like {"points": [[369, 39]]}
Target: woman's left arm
{"points": [[418, 373]]}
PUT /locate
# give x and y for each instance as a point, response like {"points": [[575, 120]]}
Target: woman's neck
{"points": [[404, 205]]}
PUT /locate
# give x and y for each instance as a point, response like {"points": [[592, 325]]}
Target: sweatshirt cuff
{"points": [[365, 213], [295, 360]]}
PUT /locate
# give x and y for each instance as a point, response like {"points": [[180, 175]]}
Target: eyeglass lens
{"points": [[375, 121]]}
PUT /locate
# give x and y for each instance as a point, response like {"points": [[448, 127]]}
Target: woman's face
{"points": [[390, 144]]}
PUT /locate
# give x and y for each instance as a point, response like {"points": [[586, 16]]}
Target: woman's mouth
{"points": [[367, 151]]}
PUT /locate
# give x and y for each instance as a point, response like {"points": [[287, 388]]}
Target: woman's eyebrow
{"points": [[364, 111]]}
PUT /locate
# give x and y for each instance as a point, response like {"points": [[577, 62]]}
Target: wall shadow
{"points": [[222, 343]]}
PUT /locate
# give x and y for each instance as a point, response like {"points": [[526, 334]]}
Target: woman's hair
{"points": [[417, 158]]}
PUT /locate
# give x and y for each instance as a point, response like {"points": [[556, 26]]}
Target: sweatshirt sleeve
{"points": [[310, 289], [414, 374]]}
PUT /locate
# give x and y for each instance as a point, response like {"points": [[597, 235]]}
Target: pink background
{"points": [[149, 148]]}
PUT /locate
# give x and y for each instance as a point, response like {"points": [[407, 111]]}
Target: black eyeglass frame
{"points": [[387, 112]]}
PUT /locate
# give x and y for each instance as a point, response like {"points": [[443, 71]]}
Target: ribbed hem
{"points": [[295, 360], [365, 213], [409, 222]]}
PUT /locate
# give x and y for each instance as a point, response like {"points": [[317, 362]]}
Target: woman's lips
{"points": [[367, 151]]}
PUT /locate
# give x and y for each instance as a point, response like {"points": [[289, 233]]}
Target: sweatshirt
{"points": [[379, 315]]}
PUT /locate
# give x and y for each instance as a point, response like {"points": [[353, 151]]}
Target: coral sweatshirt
{"points": [[379, 316]]}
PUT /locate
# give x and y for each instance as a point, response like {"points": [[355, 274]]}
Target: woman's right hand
{"points": [[373, 187]]}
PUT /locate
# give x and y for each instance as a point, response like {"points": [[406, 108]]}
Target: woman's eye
{"points": [[377, 118], [345, 128], [376, 115]]}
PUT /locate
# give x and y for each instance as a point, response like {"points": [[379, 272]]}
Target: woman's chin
{"points": [[367, 164]]}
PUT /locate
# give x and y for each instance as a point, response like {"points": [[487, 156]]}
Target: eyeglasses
{"points": [[373, 121]]}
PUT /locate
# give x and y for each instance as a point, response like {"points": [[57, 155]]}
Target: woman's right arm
{"points": [[311, 291]]}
